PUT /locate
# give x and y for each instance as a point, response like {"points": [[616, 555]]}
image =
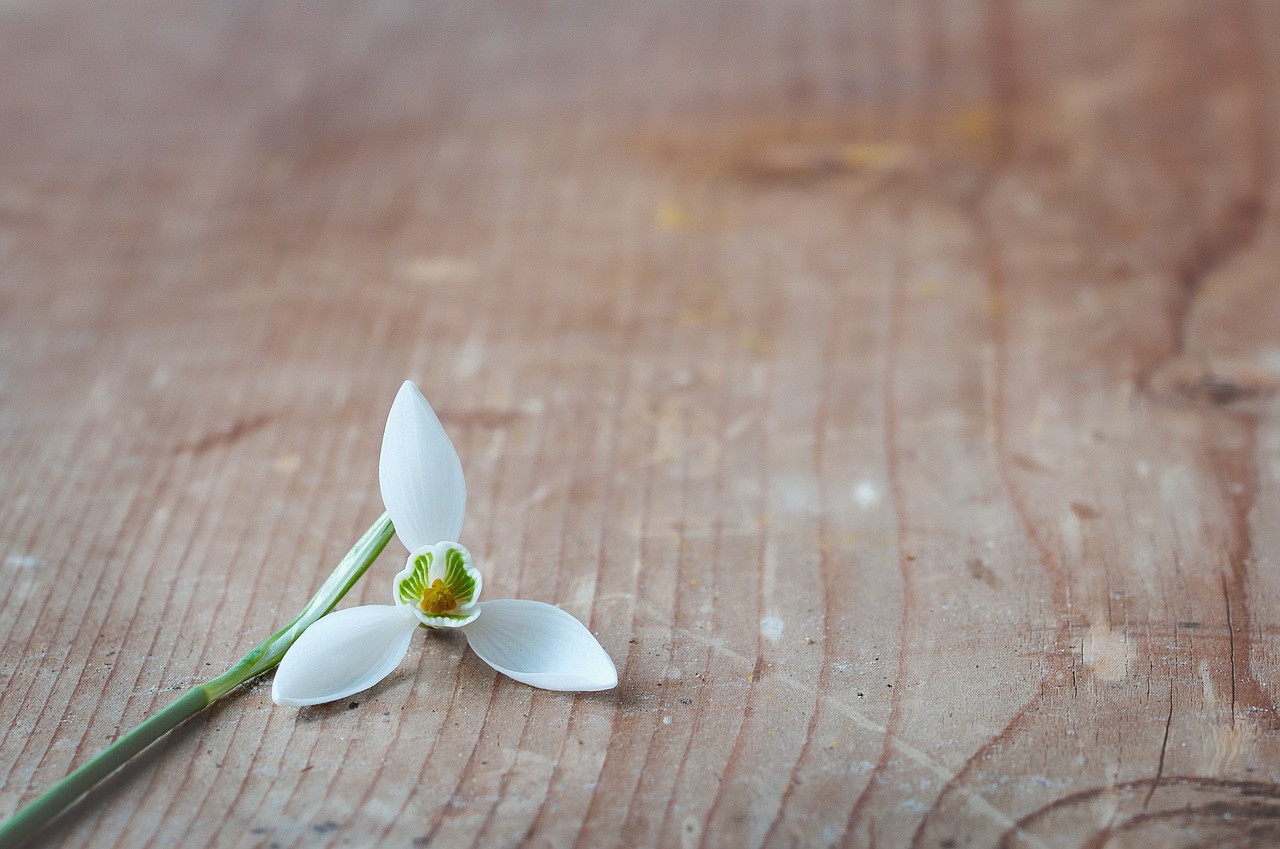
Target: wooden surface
{"points": [[893, 387]]}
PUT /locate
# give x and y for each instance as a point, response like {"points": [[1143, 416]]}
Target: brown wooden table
{"points": [[893, 387]]}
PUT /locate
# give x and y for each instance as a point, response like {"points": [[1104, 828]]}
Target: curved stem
{"points": [[38, 813]]}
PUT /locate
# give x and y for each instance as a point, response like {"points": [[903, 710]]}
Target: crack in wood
{"points": [[1231, 648], [1164, 748]]}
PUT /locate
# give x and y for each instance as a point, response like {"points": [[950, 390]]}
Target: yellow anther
{"points": [[438, 599]]}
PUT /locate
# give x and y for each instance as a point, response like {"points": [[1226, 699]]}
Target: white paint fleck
{"points": [[796, 496], [666, 720], [866, 494], [769, 574], [1106, 652], [1072, 534], [1027, 203], [468, 358], [771, 628], [1178, 487], [738, 426], [1206, 683], [538, 496], [437, 269], [584, 591], [25, 561]]}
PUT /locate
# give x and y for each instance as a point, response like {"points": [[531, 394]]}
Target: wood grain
{"points": [[891, 386]]}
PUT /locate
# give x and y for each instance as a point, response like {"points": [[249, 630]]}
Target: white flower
{"points": [[424, 492]]}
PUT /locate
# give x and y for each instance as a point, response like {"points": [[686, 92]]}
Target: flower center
{"points": [[438, 598], [439, 586]]}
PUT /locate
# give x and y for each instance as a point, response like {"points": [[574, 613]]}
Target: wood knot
{"points": [[1222, 385]]}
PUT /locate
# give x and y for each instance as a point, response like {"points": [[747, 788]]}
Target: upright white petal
{"points": [[343, 653], [420, 473], [540, 645]]}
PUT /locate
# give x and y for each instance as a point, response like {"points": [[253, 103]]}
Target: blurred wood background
{"points": [[891, 386]]}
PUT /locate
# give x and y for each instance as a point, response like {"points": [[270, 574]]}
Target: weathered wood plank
{"points": [[892, 387]]}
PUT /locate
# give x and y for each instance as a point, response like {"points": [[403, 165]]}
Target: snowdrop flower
{"points": [[424, 492]]}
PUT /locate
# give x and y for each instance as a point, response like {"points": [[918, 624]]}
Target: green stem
{"points": [[38, 813]]}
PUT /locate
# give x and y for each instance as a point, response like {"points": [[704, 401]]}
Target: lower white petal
{"points": [[540, 645], [343, 653]]}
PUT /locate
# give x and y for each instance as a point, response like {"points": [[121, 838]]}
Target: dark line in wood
{"points": [[334, 457], [326, 455], [651, 749], [1003, 55], [622, 384], [831, 349], [242, 535], [715, 554], [598, 806], [890, 373], [442, 813], [762, 548], [233, 432], [1253, 821], [1002, 26], [1236, 470], [1245, 789], [488, 307], [1237, 229], [1231, 648], [469, 769], [1060, 656], [1102, 837], [1164, 747], [562, 537], [311, 314], [80, 529], [134, 692]]}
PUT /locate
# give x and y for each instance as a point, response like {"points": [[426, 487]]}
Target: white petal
{"points": [[343, 653], [540, 645], [420, 473]]}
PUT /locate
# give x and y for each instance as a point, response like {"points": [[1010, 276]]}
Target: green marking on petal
{"points": [[457, 576], [411, 589]]}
